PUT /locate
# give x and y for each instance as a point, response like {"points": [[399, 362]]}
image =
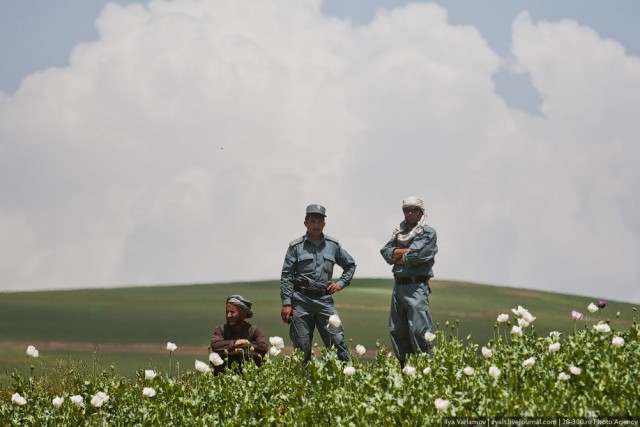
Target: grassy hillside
{"points": [[188, 314]]}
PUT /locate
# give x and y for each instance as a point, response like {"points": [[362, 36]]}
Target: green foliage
{"points": [[284, 392], [187, 315]]}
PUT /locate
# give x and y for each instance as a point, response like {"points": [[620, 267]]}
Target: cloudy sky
{"points": [[180, 141]]}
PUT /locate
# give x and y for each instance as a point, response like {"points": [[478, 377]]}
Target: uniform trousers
{"points": [[314, 312], [409, 319]]}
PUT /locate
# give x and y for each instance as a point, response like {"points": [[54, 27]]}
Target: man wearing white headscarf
{"points": [[411, 250]]}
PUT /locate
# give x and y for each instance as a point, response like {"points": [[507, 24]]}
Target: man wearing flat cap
{"points": [[238, 340], [411, 251], [307, 287]]}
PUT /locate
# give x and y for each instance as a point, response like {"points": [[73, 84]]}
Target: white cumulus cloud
{"points": [[184, 144]]}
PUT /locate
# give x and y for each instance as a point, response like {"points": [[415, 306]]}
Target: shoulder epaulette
{"points": [[333, 239], [295, 242]]}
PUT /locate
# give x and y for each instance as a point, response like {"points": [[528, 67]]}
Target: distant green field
{"points": [[187, 315]]}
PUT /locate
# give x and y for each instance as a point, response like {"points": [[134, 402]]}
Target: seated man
{"points": [[241, 340]]}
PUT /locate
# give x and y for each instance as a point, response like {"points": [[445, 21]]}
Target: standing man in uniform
{"points": [[411, 251], [306, 287]]}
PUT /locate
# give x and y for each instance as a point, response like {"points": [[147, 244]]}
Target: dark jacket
{"points": [[224, 337]]}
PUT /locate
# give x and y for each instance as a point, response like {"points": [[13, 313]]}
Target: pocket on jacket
{"points": [[329, 261], [305, 263]]}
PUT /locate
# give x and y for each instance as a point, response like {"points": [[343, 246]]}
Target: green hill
{"points": [[187, 315]]}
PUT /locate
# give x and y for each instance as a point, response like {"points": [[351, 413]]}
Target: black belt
{"points": [[411, 279], [316, 293]]}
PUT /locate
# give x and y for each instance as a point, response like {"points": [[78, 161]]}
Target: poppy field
{"points": [[588, 373]]}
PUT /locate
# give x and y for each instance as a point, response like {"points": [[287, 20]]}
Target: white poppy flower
{"points": [[57, 402], [575, 370], [77, 400], [494, 372], [617, 342], [529, 317], [216, 359], [426, 371], [202, 367], [274, 351], [516, 330], [555, 335], [519, 311], [563, 376], [349, 370], [441, 404], [409, 370], [360, 350], [277, 342], [18, 399], [32, 352], [99, 399], [529, 362], [592, 308], [334, 320], [602, 328], [523, 323], [429, 336], [486, 352], [576, 315], [148, 392], [502, 318], [468, 371], [149, 374], [554, 347], [171, 347]]}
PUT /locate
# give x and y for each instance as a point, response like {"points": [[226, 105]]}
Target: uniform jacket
{"points": [[314, 263], [419, 260]]}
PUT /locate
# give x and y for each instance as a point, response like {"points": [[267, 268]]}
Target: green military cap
{"points": [[316, 209]]}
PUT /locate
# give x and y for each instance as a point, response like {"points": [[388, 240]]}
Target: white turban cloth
{"points": [[412, 201]]}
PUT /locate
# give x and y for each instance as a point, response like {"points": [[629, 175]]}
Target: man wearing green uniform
{"points": [[411, 251], [306, 285]]}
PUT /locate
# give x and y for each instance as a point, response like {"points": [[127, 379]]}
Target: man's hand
{"points": [[285, 313], [397, 255], [333, 287], [241, 342]]}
